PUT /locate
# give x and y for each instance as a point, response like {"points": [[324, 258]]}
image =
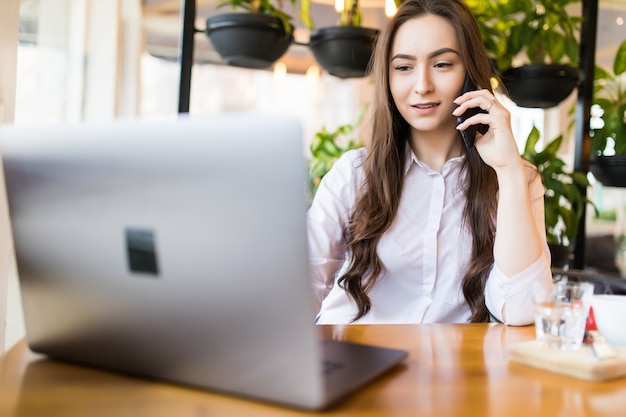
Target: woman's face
{"points": [[426, 73]]}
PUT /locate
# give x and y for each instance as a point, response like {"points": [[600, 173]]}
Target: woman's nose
{"points": [[423, 83]]}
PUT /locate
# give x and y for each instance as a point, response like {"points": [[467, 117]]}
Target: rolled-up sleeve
{"points": [[509, 299]]}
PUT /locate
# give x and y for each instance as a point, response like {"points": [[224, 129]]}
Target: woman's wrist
{"points": [[512, 173]]}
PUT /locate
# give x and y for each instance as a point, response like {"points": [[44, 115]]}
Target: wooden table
{"points": [[452, 370]]}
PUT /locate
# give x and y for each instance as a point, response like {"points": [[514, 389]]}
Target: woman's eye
{"points": [[403, 67], [442, 65]]}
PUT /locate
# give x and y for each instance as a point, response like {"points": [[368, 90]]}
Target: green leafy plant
{"points": [[268, 7], [350, 16], [563, 201], [494, 24], [328, 146], [610, 96], [538, 31]]}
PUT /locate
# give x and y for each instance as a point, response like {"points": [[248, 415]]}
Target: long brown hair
{"points": [[379, 196]]}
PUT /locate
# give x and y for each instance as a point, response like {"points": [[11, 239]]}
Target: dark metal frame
{"points": [[582, 149], [185, 58]]}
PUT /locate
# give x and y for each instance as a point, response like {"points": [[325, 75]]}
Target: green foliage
{"points": [[267, 7], [327, 147], [350, 16], [563, 202], [610, 95], [495, 25], [305, 14], [609, 215], [541, 30]]}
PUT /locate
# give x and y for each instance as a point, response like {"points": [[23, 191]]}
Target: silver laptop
{"points": [[176, 250]]}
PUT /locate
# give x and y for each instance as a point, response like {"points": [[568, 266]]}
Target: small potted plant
{"points": [[608, 129], [343, 50], [327, 146], [255, 35], [534, 45], [563, 200]]}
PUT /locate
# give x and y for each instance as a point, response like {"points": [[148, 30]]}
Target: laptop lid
{"points": [[174, 250]]}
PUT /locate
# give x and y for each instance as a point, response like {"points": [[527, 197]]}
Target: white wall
{"points": [[9, 15], [74, 73]]}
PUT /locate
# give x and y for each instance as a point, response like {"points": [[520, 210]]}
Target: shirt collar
{"points": [[411, 158]]}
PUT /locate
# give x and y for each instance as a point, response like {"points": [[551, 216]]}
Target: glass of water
{"points": [[561, 317]]}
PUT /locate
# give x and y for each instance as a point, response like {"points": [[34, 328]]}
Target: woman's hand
{"points": [[497, 147]]}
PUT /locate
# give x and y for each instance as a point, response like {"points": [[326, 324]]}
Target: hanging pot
{"points": [[343, 51], [249, 40], [540, 85], [609, 170]]}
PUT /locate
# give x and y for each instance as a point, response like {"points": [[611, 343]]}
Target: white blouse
{"points": [[425, 252]]}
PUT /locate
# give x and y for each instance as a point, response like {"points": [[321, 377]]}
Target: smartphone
{"points": [[469, 134]]}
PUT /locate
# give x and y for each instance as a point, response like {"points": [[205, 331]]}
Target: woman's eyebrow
{"points": [[433, 54], [402, 56], [442, 51]]}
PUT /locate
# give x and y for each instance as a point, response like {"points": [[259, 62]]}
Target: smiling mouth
{"points": [[425, 106]]}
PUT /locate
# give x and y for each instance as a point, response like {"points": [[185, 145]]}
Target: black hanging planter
{"points": [[540, 85], [249, 40], [609, 170], [343, 51]]}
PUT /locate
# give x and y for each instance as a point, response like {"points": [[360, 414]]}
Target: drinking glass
{"points": [[560, 317]]}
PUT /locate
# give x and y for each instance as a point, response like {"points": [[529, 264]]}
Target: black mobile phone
{"points": [[469, 134]]}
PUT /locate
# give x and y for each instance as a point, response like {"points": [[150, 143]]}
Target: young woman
{"points": [[417, 227]]}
